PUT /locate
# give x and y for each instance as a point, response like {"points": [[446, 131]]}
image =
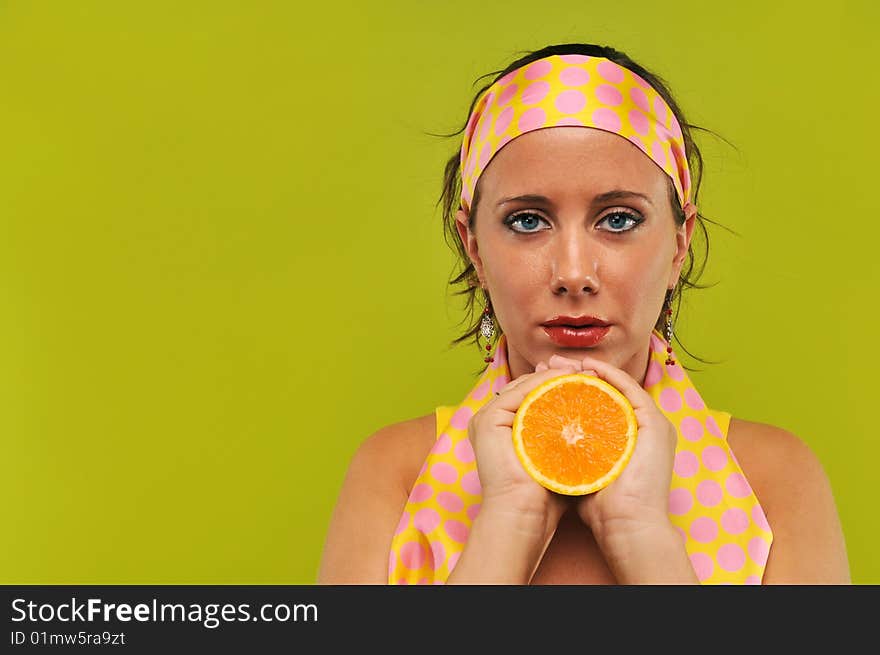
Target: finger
{"points": [[514, 393], [556, 361], [622, 380]]}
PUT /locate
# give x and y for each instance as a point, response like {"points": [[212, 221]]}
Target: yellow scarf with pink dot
{"points": [[721, 523]]}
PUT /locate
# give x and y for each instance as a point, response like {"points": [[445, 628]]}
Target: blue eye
{"points": [[622, 221], [526, 219]]}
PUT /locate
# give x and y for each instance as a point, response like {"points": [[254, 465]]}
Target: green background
{"points": [[221, 266]]}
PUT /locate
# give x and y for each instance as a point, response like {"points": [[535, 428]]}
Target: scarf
{"points": [[711, 504]]}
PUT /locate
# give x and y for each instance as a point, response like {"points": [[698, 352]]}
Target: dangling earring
{"points": [[668, 310], [487, 328]]}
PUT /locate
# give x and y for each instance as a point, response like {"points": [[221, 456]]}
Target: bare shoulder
{"points": [[370, 502], [795, 493], [771, 456], [399, 448]]}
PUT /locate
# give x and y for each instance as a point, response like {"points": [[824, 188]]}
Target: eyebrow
{"points": [[615, 194]]}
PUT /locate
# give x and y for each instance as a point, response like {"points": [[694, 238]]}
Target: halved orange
{"points": [[574, 434]]}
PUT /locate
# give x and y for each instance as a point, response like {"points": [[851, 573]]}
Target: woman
{"points": [[586, 225]]}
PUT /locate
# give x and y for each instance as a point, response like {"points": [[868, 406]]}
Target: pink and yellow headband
{"points": [[562, 90]]}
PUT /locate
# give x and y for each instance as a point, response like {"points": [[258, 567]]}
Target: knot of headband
{"points": [[566, 90]]}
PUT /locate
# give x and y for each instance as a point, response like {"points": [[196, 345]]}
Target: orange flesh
{"points": [[574, 433]]}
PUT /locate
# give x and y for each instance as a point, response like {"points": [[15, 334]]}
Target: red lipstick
{"points": [[576, 331]]}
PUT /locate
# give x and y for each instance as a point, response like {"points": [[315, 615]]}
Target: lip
{"points": [[569, 337], [576, 321]]}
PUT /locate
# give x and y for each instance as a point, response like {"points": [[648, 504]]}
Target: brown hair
{"points": [[451, 194]]}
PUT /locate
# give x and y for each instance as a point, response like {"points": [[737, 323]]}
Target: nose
{"points": [[575, 265]]}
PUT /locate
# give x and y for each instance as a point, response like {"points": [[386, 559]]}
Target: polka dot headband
{"points": [[562, 90]]}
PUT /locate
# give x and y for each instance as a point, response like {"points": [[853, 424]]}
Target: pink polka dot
{"points": [[392, 563], [714, 458], [502, 122], [485, 155], [657, 344], [702, 564], [731, 557], [484, 128], [676, 128], [691, 428], [423, 581], [610, 71], [461, 417], [712, 427], [693, 400], [737, 486], [443, 472], [570, 121], [638, 79], [657, 153], [499, 384], [535, 92], [470, 482], [402, 581], [670, 400], [473, 511], [606, 119], [456, 530], [450, 502], [640, 99], [480, 391], [610, 95], [681, 533], [426, 520], [637, 142], [507, 94], [464, 451], [660, 109], [752, 579], [499, 357], [675, 372], [439, 553], [704, 529], [421, 492], [760, 518], [574, 76], [403, 523], [532, 119], [709, 493], [686, 464], [442, 444], [759, 549], [570, 101], [734, 520], [653, 375], [680, 501], [538, 69], [575, 59], [453, 560], [412, 555]]}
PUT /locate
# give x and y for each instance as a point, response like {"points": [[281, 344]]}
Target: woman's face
{"points": [[570, 247]]}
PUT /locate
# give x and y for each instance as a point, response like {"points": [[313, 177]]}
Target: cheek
{"points": [[637, 281], [508, 264]]}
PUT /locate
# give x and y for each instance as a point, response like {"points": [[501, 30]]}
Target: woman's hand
{"points": [[629, 518], [506, 486], [639, 497]]}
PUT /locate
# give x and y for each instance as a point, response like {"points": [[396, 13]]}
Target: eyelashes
{"points": [[618, 221]]}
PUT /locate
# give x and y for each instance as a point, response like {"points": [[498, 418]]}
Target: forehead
{"points": [[571, 159]]}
